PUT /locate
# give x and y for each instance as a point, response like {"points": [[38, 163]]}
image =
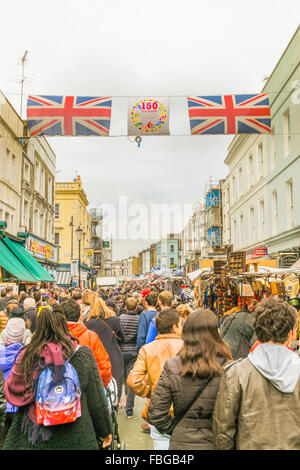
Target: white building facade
{"points": [[264, 170]]}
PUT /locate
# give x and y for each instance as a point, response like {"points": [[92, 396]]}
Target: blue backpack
{"points": [[58, 403]]}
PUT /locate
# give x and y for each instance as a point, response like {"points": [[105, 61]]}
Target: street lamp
{"points": [[79, 238], [71, 224]]}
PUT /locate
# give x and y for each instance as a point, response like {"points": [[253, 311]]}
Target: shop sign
{"points": [[41, 249], [287, 260], [260, 251]]}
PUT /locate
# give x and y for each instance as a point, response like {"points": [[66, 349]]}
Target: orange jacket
{"points": [[91, 339]]}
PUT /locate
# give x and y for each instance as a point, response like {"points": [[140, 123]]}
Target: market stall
{"points": [[223, 292]]}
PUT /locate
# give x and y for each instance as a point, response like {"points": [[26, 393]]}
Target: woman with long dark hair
{"points": [[190, 382], [103, 321], [52, 345]]}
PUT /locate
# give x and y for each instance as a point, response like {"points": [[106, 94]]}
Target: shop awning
{"points": [[14, 266], [35, 268], [63, 278]]}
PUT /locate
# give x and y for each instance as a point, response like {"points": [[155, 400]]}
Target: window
{"points": [[251, 170], [251, 230], [37, 177], [171, 248], [26, 172], [234, 234], [56, 211], [172, 262], [50, 191], [36, 222], [289, 203], [43, 176], [272, 149], [261, 224], [260, 157], [26, 214], [240, 181], [274, 212], [56, 238], [286, 128], [241, 240], [233, 189], [42, 228]]}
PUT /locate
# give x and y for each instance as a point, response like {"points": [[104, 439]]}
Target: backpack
{"points": [[58, 403]]}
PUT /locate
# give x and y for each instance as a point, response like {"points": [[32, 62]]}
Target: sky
{"points": [[131, 48]]}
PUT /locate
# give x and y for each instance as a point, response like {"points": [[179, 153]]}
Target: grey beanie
{"points": [[15, 330]]}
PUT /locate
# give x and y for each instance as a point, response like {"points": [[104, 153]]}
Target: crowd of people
{"points": [[208, 383]]}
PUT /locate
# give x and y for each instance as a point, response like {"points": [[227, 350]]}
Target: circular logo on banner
{"points": [[148, 115]]}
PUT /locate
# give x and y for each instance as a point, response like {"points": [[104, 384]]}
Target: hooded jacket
{"points": [[149, 365], [8, 355], [91, 339], [258, 405]]}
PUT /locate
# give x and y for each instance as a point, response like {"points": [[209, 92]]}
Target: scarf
{"points": [[23, 395]]}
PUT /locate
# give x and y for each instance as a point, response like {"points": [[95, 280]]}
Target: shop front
{"points": [[17, 266], [45, 253]]}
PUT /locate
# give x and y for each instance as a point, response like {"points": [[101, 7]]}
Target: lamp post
{"points": [[71, 224], [79, 238]]}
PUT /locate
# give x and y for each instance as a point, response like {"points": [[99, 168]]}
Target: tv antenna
{"points": [[22, 80]]}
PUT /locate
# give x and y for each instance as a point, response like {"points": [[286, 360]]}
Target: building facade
{"points": [[27, 173], [264, 170], [11, 158], [70, 214]]}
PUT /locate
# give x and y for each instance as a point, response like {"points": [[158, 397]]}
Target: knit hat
{"points": [[145, 292], [12, 300], [15, 330], [17, 313], [29, 303]]}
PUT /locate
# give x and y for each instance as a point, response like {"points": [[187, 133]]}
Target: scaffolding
{"points": [[213, 212]]}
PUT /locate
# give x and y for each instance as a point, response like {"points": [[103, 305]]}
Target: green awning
{"points": [[29, 262], [12, 265]]}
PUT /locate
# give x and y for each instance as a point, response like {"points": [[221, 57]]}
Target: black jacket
{"points": [[3, 303], [194, 431], [31, 314], [110, 343]]}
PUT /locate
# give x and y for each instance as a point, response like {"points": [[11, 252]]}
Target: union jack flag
{"points": [[229, 114], [68, 115]]}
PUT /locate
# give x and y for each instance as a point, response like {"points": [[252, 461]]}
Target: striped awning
{"points": [[63, 278]]}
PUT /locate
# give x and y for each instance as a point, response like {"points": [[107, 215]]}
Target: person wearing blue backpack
{"points": [[58, 391], [15, 338]]}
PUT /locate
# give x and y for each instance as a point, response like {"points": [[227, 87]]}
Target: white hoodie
{"points": [[278, 364]]}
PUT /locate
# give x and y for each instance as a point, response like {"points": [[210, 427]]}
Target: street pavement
{"points": [[131, 435]]}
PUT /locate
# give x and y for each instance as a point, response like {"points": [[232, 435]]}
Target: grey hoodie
{"points": [[278, 364]]}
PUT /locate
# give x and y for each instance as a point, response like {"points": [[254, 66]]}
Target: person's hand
{"points": [[106, 440]]}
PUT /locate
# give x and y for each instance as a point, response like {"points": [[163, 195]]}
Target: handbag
{"points": [[182, 414]]}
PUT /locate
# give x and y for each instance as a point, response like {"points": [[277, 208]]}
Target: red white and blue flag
{"points": [[68, 115], [230, 114]]}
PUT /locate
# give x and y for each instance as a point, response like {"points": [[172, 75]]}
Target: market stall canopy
{"points": [[29, 263], [195, 274], [63, 278], [12, 265]]}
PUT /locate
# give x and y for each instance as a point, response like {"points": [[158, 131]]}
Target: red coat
{"points": [[89, 338]]}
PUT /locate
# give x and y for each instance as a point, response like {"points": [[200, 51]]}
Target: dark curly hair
{"points": [[273, 320]]}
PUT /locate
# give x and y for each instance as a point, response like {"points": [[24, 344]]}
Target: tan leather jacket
{"points": [[3, 320], [251, 414], [150, 362]]}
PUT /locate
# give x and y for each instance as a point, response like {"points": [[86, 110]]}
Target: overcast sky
{"points": [[132, 48]]}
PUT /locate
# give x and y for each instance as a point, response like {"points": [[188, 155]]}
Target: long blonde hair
{"points": [[98, 308]]}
